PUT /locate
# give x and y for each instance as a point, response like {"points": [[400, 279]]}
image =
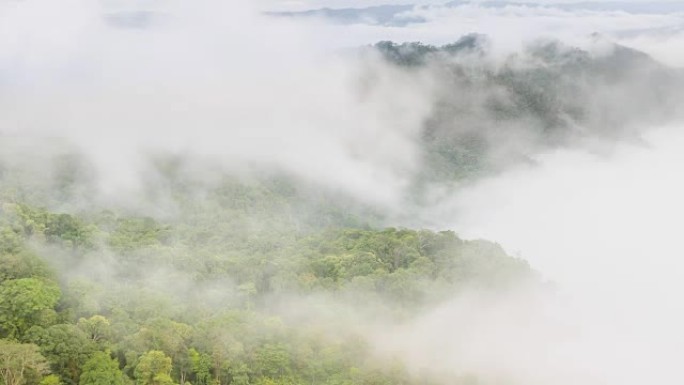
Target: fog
{"points": [[231, 90], [198, 80], [604, 230]]}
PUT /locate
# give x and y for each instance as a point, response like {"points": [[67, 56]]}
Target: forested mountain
{"points": [[489, 113], [221, 292], [262, 277]]}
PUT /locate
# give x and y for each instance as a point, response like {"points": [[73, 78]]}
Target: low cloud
{"points": [[604, 229]]}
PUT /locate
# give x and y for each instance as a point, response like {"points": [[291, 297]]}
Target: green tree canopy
{"points": [[18, 361], [24, 302], [66, 347], [101, 369], [154, 368]]}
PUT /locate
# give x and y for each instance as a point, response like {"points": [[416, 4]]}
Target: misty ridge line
{"points": [[406, 14], [400, 157], [517, 107]]}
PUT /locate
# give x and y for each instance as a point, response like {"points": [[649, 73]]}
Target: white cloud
{"points": [[606, 230], [204, 78]]}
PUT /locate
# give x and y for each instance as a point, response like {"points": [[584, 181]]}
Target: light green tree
{"points": [[154, 368], [18, 361], [96, 327], [24, 303], [101, 369], [172, 338], [51, 379], [201, 366], [273, 360]]}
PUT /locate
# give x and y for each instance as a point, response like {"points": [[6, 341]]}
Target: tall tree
{"points": [[95, 327], [173, 338], [154, 368], [66, 347], [24, 302], [18, 360], [101, 369]]}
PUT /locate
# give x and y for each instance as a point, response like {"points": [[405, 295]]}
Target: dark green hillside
{"points": [[489, 113]]}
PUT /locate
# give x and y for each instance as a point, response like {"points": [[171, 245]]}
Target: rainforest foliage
{"points": [[230, 271], [488, 113], [209, 293], [260, 277]]}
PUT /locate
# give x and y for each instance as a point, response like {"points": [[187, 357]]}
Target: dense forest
{"points": [[265, 278], [254, 282], [489, 113]]}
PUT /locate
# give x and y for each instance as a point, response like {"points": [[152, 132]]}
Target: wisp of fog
{"points": [[603, 228]]}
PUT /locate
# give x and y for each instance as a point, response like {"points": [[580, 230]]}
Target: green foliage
{"points": [[97, 327], [10, 241], [21, 263], [54, 228], [101, 369], [51, 379], [66, 347], [188, 300], [187, 290], [272, 361], [20, 363], [133, 233], [66, 228], [537, 97], [154, 368], [26, 302], [172, 338], [201, 366], [16, 260]]}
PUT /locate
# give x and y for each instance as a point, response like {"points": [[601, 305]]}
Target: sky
{"points": [[309, 4]]}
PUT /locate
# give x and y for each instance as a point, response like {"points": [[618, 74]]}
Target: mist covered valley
{"points": [[217, 193]]}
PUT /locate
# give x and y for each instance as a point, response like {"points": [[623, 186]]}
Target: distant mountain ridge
{"points": [[399, 14], [550, 94]]}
